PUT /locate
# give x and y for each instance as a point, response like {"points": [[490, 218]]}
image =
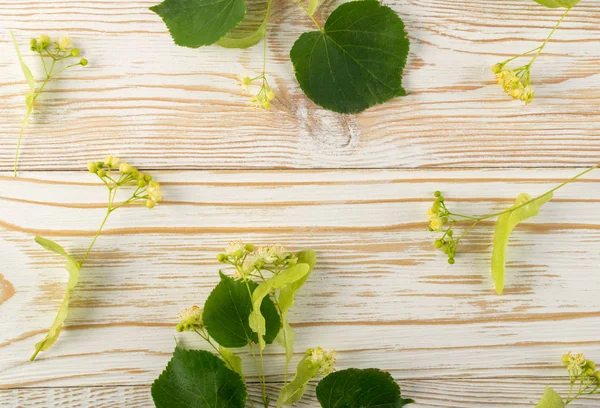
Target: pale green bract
{"points": [[286, 335], [246, 34], [256, 320], [558, 3], [73, 267], [233, 362], [550, 399], [312, 7], [504, 225], [30, 81], [293, 391]]}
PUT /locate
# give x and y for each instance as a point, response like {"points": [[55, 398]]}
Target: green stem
{"points": [[548, 38], [108, 211], [29, 109], [521, 55]]}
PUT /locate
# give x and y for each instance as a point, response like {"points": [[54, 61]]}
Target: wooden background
{"points": [[354, 188]]}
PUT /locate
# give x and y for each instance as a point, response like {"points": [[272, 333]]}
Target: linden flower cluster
{"points": [[57, 50], [147, 190], [190, 319], [516, 83], [325, 359], [583, 371], [261, 100], [440, 220], [250, 261]]}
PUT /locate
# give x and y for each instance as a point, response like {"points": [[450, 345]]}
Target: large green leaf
{"points": [[356, 61], [198, 379], [504, 226], [290, 275], [550, 399], [557, 3], [227, 312], [354, 388], [73, 267], [293, 391], [287, 336], [252, 29], [194, 23]]}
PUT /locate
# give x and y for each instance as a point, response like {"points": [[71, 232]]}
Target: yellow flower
{"points": [[64, 43], [235, 249], [325, 359], [245, 83], [436, 223], [190, 319], [154, 191]]}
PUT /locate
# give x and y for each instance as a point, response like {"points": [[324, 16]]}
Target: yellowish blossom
{"points": [[154, 191], [325, 359], [190, 319], [64, 43]]}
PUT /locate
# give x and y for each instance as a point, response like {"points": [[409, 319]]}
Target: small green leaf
{"points": [[233, 362], [252, 29], [227, 312], [198, 379], [24, 67], [73, 267], [256, 320], [558, 3], [286, 335], [550, 399], [294, 390], [354, 388], [194, 23], [504, 226], [356, 61]]}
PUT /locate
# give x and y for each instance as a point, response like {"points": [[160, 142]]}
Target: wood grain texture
{"points": [[380, 294], [172, 107], [428, 393]]}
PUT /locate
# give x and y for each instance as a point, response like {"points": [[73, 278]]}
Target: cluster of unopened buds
{"points": [[57, 50], [147, 190], [251, 261], [262, 99], [440, 220], [516, 83]]}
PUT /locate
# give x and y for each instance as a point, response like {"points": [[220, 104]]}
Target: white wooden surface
{"points": [[380, 294]]}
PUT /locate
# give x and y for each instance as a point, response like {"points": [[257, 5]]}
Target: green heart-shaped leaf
{"points": [[194, 23], [557, 3], [198, 379], [227, 312], [356, 61], [354, 388]]}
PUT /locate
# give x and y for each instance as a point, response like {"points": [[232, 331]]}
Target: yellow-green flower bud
{"points": [[33, 42], [221, 258], [44, 40], [99, 164], [565, 359], [83, 62], [589, 371], [147, 178], [141, 183], [249, 247], [101, 173], [92, 167], [270, 95], [108, 160], [125, 168], [597, 376], [150, 203], [497, 68], [75, 52], [451, 261]]}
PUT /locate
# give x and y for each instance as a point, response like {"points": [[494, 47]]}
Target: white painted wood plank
{"points": [[428, 393], [173, 107], [380, 294]]}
